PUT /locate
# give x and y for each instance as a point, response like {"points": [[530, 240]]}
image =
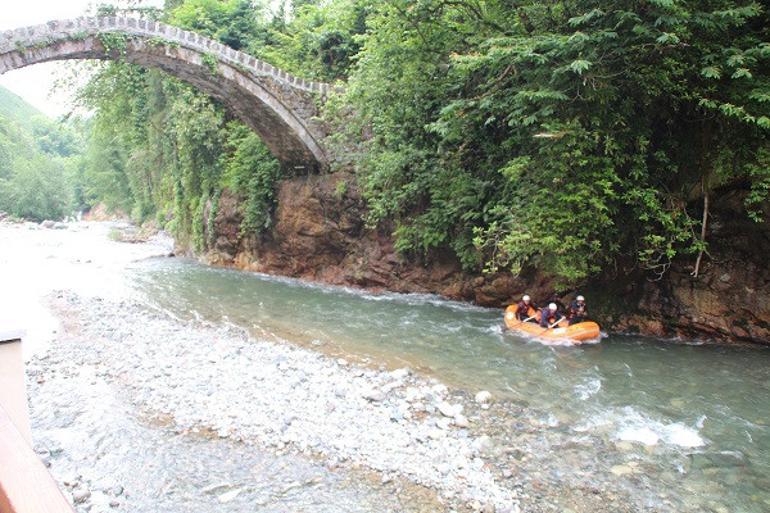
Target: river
{"points": [[656, 425]]}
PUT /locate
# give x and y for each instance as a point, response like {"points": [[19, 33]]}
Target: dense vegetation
{"points": [[40, 166], [162, 150], [562, 135]]}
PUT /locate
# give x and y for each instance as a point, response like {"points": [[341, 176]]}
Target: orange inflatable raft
{"points": [[577, 333]]}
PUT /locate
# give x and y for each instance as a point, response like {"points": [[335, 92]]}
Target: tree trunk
{"points": [[704, 227]]}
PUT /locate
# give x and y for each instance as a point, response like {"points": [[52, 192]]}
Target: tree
{"points": [[37, 190], [567, 133]]}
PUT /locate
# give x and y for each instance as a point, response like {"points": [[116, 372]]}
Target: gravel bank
{"points": [[290, 399]]}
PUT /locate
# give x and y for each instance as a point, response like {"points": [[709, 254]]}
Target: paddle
{"points": [[525, 320], [551, 326]]}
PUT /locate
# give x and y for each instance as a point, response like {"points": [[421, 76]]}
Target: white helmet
{"points": [[580, 298], [525, 298], [552, 306]]}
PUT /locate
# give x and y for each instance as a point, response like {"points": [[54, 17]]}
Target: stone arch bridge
{"points": [[281, 108]]}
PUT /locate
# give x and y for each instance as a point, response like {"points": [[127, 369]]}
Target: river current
{"points": [[699, 412], [689, 421]]}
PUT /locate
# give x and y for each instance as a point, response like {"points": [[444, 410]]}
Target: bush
{"points": [[37, 190]]}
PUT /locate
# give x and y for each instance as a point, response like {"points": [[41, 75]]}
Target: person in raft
{"points": [[578, 311], [522, 309], [550, 315]]}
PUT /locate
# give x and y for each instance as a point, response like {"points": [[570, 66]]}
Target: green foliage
{"points": [[155, 147], [210, 62], [161, 150], [250, 170], [341, 189], [37, 190], [114, 42], [559, 135], [321, 41], [160, 41], [18, 112], [759, 173], [233, 22], [40, 163], [79, 36]]}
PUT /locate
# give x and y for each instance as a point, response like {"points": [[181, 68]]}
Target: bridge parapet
{"points": [[79, 28], [281, 108]]}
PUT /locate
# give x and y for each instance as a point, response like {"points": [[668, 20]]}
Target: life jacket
{"points": [[522, 310], [547, 317], [577, 310]]}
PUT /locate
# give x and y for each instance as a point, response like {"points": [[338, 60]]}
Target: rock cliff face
{"points": [[729, 300], [319, 234]]}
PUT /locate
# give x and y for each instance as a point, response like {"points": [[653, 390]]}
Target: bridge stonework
{"points": [[281, 108]]}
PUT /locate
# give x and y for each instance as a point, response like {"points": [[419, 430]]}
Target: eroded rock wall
{"points": [[319, 234], [728, 300]]}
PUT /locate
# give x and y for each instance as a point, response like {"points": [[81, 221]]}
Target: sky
{"points": [[34, 83]]}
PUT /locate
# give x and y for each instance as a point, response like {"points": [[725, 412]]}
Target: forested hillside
{"points": [[15, 108], [162, 150], [40, 165], [566, 136]]}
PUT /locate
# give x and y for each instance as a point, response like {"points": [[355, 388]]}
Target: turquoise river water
{"points": [[695, 416]]}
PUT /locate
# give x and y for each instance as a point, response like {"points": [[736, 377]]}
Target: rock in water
{"points": [[215, 488], [461, 421], [624, 446], [71, 480], [449, 410], [374, 395], [80, 496], [400, 373], [621, 470], [719, 459], [482, 444], [229, 496], [483, 397]]}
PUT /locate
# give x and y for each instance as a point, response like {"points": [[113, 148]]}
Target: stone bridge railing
{"points": [[80, 27], [282, 108]]}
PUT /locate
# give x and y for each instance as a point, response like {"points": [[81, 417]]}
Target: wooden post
{"points": [[13, 394], [25, 484]]}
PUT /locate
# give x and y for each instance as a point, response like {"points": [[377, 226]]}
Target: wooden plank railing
{"points": [[13, 394], [25, 484]]}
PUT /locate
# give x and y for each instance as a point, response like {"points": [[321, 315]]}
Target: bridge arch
{"points": [[281, 108]]}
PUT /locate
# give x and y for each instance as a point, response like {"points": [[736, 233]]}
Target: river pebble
{"points": [[80, 496], [483, 397], [277, 395]]}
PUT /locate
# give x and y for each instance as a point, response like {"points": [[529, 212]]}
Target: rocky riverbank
{"points": [[319, 234], [420, 439], [138, 410], [287, 398]]}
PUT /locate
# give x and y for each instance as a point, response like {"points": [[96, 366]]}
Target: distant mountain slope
{"points": [[14, 108]]}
